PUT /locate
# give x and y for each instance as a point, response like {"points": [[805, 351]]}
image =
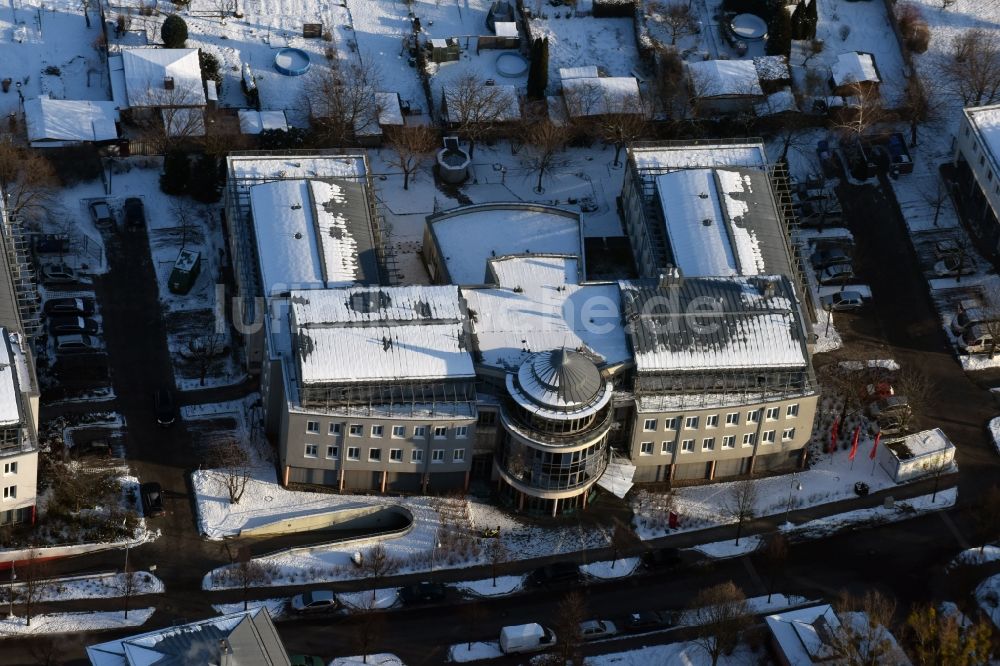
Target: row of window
{"points": [[732, 419], [9, 468], [398, 432], [375, 454], [708, 443], [982, 161], [10, 492]]}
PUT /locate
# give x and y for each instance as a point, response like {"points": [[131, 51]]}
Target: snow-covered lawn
{"points": [[98, 586], [71, 623], [903, 510], [378, 659], [728, 548], [611, 568], [755, 606], [975, 556], [485, 587], [475, 651], [688, 654], [275, 607], [365, 600], [988, 596]]}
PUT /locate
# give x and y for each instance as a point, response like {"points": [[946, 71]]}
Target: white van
{"points": [[976, 340], [526, 638]]}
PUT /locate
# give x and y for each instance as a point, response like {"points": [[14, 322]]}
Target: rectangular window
{"points": [[396, 455], [354, 453], [649, 425], [374, 455], [416, 455], [646, 448], [667, 447], [10, 492], [335, 429], [712, 421], [749, 438], [487, 419], [767, 437], [772, 414], [10, 468], [687, 446], [458, 455], [670, 424], [312, 450], [377, 430], [356, 430], [732, 418], [753, 416], [787, 434], [437, 455], [792, 410], [461, 432], [729, 442], [708, 444], [312, 427], [691, 423], [440, 432], [332, 452], [398, 432], [419, 431]]}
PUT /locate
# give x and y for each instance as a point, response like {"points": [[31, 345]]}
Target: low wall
{"points": [[376, 518], [53, 552]]}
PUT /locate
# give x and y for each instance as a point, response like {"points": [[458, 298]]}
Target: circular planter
{"points": [[291, 61]]}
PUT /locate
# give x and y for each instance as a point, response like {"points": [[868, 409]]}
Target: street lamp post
{"points": [[13, 577], [795, 485]]}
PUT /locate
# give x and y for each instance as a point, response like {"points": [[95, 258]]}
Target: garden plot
{"points": [[577, 41], [73, 623], [98, 586], [482, 65]]}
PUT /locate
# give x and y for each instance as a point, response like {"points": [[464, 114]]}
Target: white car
{"points": [[315, 601], [592, 630]]}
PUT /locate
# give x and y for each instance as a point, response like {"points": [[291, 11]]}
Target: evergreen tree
{"points": [[176, 173], [538, 74], [779, 39], [797, 21], [203, 184], [811, 19], [174, 32]]}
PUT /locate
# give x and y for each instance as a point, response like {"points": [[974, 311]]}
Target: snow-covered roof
{"points": [[389, 110], [597, 96], [255, 122], [804, 635], [10, 412], [781, 101], [507, 105], [725, 78], [722, 222], [60, 120], [280, 167], [772, 68], [505, 28], [376, 304], [147, 71], [925, 443], [986, 121], [699, 155], [699, 324], [583, 72], [853, 67], [469, 236], [312, 234], [542, 307]]}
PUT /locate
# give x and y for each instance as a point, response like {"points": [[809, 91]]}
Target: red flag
{"points": [[878, 436], [833, 434], [854, 443]]}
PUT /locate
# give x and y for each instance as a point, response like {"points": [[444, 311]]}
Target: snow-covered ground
{"points": [[994, 427], [974, 556], [72, 623], [98, 586], [377, 659], [609, 569], [275, 607], [723, 549], [902, 510], [689, 654], [988, 596], [367, 600], [485, 587], [474, 651]]}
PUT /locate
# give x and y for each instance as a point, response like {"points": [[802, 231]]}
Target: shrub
{"points": [[174, 32], [203, 184], [210, 68], [919, 40], [176, 173], [913, 28]]}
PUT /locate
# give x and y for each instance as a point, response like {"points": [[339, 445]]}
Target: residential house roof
{"points": [[60, 120], [725, 78], [853, 67], [150, 73]]}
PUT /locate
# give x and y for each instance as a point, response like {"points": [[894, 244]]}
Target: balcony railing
{"points": [[529, 432]]}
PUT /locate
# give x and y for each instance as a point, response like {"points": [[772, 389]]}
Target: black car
{"points": [[661, 558], [80, 306], [163, 405], [152, 499], [422, 593], [61, 325], [135, 213], [649, 620], [556, 573]]}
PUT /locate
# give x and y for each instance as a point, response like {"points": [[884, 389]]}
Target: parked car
{"points": [[51, 244], [890, 408], [526, 638], [61, 325], [661, 558], [305, 660], [135, 213], [76, 343], [422, 592], [828, 257], [314, 601], [81, 306], [976, 340], [954, 265], [163, 405], [836, 274], [967, 317], [649, 620], [593, 630], [58, 274], [842, 301], [100, 213], [151, 495], [556, 573]]}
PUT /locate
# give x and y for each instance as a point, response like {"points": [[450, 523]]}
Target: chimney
{"points": [[168, 83], [671, 278], [225, 653]]}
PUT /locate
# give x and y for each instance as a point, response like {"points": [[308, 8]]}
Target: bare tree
{"points": [[669, 84], [202, 350], [625, 120], [475, 612], [369, 625], [411, 145], [677, 17], [27, 179], [973, 67], [721, 614], [377, 565], [343, 100], [571, 612], [740, 504], [936, 199], [984, 517], [545, 142], [918, 389], [475, 108], [866, 111], [919, 104], [127, 583], [863, 637], [230, 457], [774, 553], [186, 214], [497, 553], [622, 539], [34, 576]]}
